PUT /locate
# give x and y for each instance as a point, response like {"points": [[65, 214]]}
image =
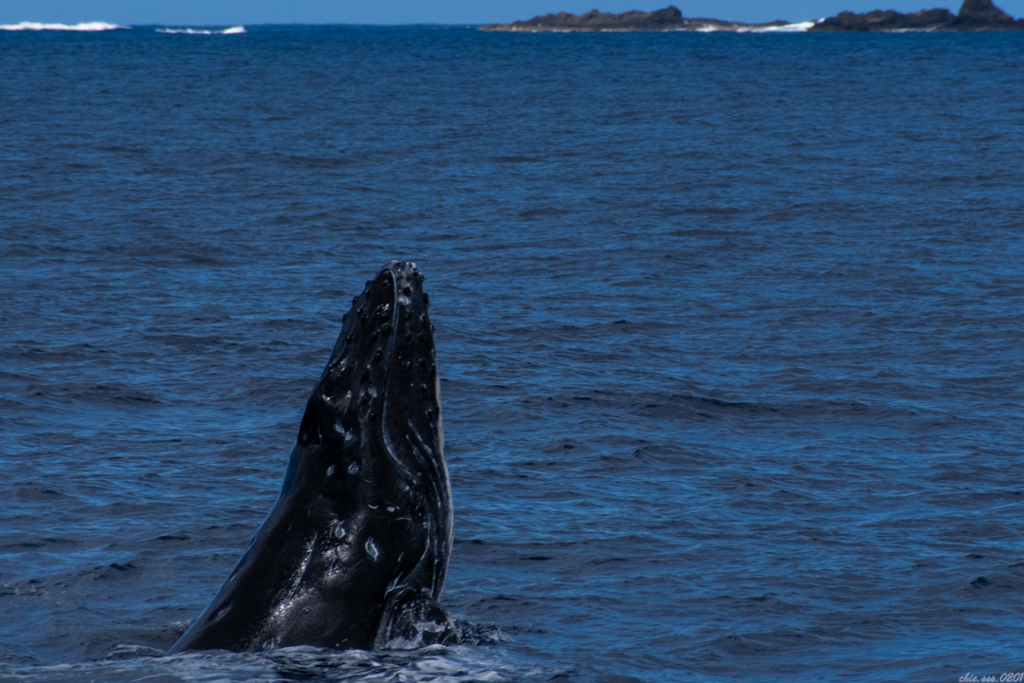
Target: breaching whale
{"points": [[354, 552]]}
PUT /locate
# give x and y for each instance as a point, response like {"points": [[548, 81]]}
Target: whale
{"points": [[354, 553]]}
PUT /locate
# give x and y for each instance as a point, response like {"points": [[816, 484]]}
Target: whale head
{"points": [[354, 552], [370, 449]]}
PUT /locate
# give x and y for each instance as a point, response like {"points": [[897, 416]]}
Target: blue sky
{"points": [[231, 12]]}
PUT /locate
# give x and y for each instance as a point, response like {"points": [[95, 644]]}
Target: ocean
{"points": [[729, 329]]}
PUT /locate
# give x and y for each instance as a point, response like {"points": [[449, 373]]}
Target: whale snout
{"points": [[382, 375]]}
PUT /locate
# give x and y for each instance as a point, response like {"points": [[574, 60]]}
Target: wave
{"points": [[231, 30], [84, 26], [798, 27], [720, 27]]}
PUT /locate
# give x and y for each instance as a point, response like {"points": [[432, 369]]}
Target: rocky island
{"points": [[668, 19], [974, 15]]}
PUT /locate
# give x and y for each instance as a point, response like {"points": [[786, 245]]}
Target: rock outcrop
{"points": [[974, 15], [668, 19], [660, 20], [888, 20], [983, 12]]}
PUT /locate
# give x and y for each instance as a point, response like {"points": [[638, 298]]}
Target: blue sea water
{"points": [[729, 329]]}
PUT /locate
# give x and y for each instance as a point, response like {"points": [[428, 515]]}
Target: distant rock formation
{"points": [[668, 19], [975, 15], [983, 12], [660, 20], [888, 20]]}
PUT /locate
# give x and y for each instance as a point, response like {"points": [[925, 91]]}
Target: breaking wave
{"points": [[798, 27], [84, 26], [231, 30]]}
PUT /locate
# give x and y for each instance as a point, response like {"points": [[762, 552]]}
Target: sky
{"points": [[251, 12]]}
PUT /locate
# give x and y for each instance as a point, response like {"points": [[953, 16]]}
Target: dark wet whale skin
{"points": [[354, 552]]}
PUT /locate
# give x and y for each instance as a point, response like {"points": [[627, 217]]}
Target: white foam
{"points": [[798, 27], [230, 31], [84, 26]]}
